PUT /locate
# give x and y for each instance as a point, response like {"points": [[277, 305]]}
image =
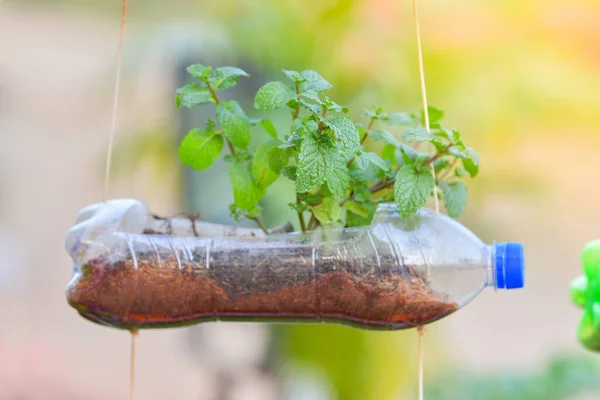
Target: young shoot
{"points": [[322, 150]]}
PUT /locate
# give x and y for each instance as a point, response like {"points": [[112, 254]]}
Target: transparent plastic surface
{"points": [[395, 274]]}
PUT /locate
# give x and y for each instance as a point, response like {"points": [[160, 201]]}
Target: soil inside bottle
{"points": [[274, 285]]}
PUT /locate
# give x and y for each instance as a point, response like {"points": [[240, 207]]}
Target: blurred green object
{"points": [[352, 364], [585, 293], [564, 378]]}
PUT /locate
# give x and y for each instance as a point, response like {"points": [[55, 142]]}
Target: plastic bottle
{"points": [[394, 274]]}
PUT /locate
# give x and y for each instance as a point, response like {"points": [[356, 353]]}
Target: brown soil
{"points": [[255, 285]]}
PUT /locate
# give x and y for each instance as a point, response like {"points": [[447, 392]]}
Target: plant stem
{"points": [[362, 140], [369, 127], [450, 168], [230, 147], [297, 111], [312, 223], [301, 216], [213, 93], [232, 150], [373, 189], [261, 225], [438, 155], [321, 122]]}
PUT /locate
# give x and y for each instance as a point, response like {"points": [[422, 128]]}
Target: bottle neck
{"points": [[489, 260]]}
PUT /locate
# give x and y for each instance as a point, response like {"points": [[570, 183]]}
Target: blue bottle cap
{"points": [[510, 265]]}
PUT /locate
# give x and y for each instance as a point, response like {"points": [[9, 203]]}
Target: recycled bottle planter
{"points": [[585, 293], [394, 274]]}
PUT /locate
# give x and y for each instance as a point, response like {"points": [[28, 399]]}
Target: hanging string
{"points": [[111, 137], [113, 125], [421, 330], [132, 366], [424, 95]]}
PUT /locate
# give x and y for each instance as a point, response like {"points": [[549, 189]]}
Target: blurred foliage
{"points": [[153, 147], [356, 364], [564, 378]]}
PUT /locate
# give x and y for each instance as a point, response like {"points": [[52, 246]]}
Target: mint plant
{"points": [[336, 179]]}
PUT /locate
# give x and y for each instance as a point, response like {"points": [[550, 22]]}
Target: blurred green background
{"points": [[519, 79]]}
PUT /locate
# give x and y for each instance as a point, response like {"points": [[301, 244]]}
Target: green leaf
{"points": [[304, 125], [459, 152], [234, 123], [357, 208], [384, 136], [199, 72], [370, 174], [298, 207], [333, 106], [312, 95], [346, 133], [313, 161], [443, 134], [289, 172], [278, 157], [375, 114], [225, 77], [294, 140], [313, 108], [363, 160], [337, 108], [246, 193], [471, 163], [362, 193], [254, 212], [310, 198], [229, 158], [412, 188], [200, 148], [235, 213], [354, 220], [457, 138], [295, 76], [269, 128], [455, 198], [328, 212], [389, 154], [435, 114], [314, 81], [262, 172], [192, 95], [337, 176], [273, 95], [460, 172], [402, 119], [412, 135], [440, 164], [411, 156]]}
